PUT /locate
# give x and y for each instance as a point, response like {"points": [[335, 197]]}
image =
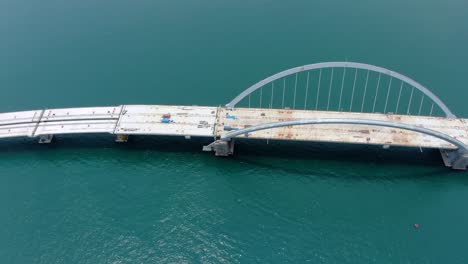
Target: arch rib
{"points": [[355, 65], [462, 148]]}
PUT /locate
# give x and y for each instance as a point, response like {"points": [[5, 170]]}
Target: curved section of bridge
{"points": [[118, 120], [448, 134], [357, 66], [462, 147]]}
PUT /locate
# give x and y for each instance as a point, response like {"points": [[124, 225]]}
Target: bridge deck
{"points": [[78, 120], [215, 121], [245, 117], [183, 120]]}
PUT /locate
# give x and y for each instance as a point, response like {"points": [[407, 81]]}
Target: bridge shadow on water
{"points": [[351, 161], [308, 159]]}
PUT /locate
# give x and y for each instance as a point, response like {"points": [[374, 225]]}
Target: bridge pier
{"points": [[121, 138], [455, 159], [45, 139], [221, 148]]}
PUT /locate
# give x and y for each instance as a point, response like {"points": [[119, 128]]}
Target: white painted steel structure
{"points": [[462, 147], [344, 65]]}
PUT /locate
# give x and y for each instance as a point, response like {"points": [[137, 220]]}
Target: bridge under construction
{"points": [[303, 103]]}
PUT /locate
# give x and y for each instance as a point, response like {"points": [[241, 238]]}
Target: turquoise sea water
{"points": [[85, 199]]}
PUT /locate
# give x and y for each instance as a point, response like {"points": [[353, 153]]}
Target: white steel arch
{"points": [[354, 65], [462, 148]]}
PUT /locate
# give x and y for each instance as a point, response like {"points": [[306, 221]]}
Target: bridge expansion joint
{"points": [[120, 138], [33, 133]]}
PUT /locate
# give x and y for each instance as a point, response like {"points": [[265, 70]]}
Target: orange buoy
{"points": [[416, 225]]}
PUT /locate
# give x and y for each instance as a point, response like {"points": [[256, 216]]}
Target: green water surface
{"points": [[85, 199]]}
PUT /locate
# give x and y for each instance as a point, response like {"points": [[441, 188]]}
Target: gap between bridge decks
{"points": [[215, 124], [465, 124], [121, 114]]}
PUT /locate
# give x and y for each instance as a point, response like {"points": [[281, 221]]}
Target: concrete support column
{"points": [[455, 159], [121, 138], [45, 139], [221, 148]]}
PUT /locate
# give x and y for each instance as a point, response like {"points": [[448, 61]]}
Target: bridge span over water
{"points": [[339, 102]]}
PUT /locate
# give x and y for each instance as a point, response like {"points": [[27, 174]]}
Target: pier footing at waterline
{"points": [[121, 138], [221, 148], [45, 139], [455, 159]]}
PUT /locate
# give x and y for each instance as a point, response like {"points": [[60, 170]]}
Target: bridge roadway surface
{"points": [[213, 122]]}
